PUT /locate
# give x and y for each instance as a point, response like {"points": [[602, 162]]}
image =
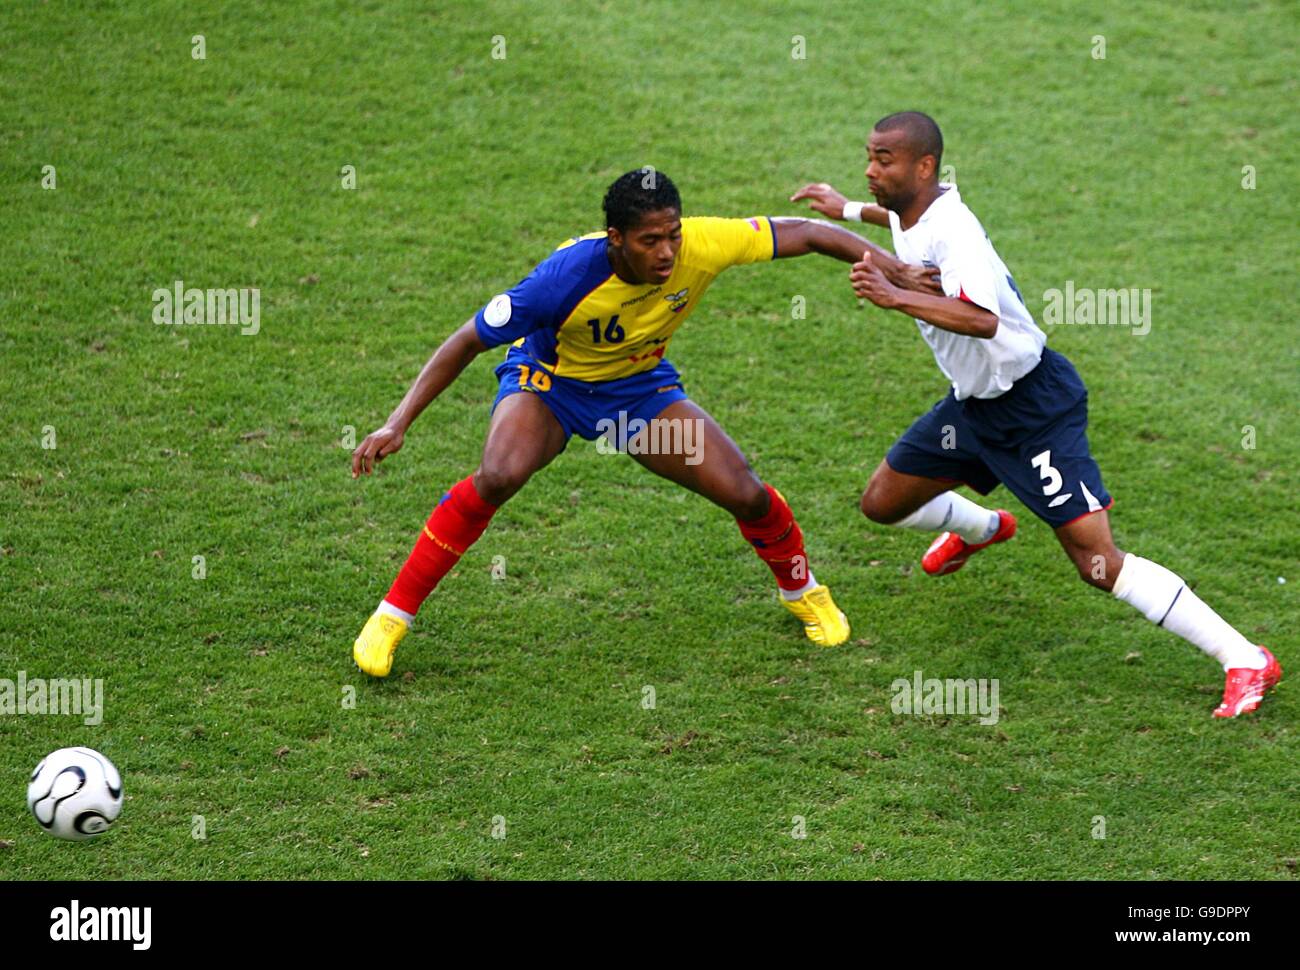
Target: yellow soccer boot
{"points": [[822, 620], [374, 649]]}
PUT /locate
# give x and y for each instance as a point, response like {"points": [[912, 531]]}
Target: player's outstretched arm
{"points": [[443, 367], [798, 237], [944, 312], [824, 199]]}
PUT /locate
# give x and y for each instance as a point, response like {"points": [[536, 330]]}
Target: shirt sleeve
{"points": [[730, 242], [528, 306], [965, 270]]}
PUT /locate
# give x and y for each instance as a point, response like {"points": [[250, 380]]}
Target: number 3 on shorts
{"points": [[1043, 462]]}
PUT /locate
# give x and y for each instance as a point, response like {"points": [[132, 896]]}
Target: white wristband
{"points": [[853, 211]]}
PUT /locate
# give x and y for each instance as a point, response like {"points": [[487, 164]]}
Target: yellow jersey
{"points": [[575, 317]]}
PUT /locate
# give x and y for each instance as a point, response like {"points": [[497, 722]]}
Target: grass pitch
{"points": [[518, 707]]}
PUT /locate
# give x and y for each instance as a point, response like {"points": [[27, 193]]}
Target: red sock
{"points": [[455, 525], [777, 539]]}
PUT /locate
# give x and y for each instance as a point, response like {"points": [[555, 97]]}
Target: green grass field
{"points": [[522, 698]]}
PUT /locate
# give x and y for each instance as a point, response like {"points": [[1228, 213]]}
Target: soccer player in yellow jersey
{"points": [[588, 330]]}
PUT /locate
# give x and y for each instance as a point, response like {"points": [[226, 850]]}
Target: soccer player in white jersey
{"points": [[1016, 414]]}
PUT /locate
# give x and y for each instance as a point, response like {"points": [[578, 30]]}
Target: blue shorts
{"points": [[1032, 439], [579, 406]]}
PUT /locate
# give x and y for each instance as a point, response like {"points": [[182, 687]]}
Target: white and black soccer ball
{"points": [[75, 794]]}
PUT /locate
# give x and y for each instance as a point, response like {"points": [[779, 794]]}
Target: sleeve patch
{"points": [[497, 313]]}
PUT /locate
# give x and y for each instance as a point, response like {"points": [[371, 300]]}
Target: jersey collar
{"points": [[948, 194]]}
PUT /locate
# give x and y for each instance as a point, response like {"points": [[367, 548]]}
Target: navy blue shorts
{"points": [[580, 406], [1032, 439]]}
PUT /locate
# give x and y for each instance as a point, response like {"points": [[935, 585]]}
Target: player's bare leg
{"points": [[523, 437], [892, 496], [1088, 543], [929, 505], [717, 469], [1164, 599]]}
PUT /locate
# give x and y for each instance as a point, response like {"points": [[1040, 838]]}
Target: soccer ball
{"points": [[75, 794]]}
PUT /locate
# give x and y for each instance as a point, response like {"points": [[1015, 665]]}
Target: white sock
{"points": [[794, 594], [1164, 599], [952, 512], [391, 610]]}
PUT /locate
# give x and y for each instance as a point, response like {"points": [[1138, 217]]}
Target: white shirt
{"points": [[948, 236]]}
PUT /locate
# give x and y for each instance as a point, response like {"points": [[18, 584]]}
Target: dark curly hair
{"points": [[633, 195]]}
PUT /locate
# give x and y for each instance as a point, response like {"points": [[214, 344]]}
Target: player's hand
{"points": [[870, 283], [377, 446], [822, 198], [923, 279]]}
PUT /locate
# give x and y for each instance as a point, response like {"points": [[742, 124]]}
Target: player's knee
{"points": [[1089, 574], [876, 508], [1098, 567], [498, 482], [750, 500]]}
